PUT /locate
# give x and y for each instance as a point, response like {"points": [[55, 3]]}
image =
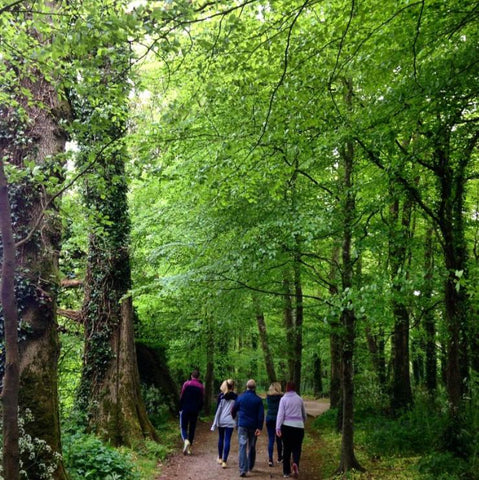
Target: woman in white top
{"points": [[290, 427]]}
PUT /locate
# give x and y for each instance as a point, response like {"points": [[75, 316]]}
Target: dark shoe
{"points": [[270, 463], [243, 474], [280, 459]]}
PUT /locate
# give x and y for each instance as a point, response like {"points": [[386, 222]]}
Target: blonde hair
{"points": [[227, 385], [275, 389]]}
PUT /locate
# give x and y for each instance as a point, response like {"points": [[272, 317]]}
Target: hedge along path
{"points": [[202, 465]]}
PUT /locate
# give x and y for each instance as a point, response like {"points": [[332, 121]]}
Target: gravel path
{"points": [[202, 464]]}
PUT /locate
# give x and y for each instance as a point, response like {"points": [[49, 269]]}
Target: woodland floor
{"points": [[201, 465]]}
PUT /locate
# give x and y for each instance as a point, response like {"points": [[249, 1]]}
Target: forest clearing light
{"points": [[417, 293]]}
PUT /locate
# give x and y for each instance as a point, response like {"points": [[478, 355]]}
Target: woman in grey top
{"points": [[224, 421]]}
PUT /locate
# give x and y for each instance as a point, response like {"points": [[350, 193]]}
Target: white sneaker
{"points": [[219, 461], [186, 447], [223, 464]]}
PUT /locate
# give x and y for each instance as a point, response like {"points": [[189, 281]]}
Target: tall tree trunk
{"points": [[317, 375], [335, 343], [11, 378], [348, 459], [428, 321], [456, 299], [401, 393], [37, 234], [375, 341], [288, 317], [298, 326], [376, 347], [110, 387], [210, 361], [268, 356]]}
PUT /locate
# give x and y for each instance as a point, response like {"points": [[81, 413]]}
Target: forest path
{"points": [[202, 464]]}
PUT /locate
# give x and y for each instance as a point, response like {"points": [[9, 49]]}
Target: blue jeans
{"points": [[247, 448], [271, 427], [188, 425], [224, 442]]}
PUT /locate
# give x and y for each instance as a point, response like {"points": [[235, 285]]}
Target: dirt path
{"points": [[202, 464]]}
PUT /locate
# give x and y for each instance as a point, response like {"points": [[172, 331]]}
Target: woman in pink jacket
{"points": [[290, 427]]}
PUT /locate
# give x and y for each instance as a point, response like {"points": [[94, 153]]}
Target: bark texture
{"points": [[11, 378]]}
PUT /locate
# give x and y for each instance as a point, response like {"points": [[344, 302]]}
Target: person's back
{"points": [[191, 403], [273, 399], [272, 402], [192, 395], [223, 417], [250, 410]]}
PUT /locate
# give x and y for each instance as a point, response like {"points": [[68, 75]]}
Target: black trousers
{"points": [[292, 443]]}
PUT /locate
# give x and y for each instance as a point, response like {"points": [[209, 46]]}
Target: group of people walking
{"points": [[285, 418]]}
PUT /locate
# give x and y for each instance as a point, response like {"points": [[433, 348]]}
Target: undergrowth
{"points": [[411, 446]]}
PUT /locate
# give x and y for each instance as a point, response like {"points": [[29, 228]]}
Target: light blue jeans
{"points": [[247, 448]]}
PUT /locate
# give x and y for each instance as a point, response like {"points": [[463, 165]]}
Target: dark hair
{"points": [[290, 387], [195, 373]]}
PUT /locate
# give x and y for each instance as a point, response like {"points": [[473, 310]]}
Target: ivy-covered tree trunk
{"points": [[110, 387], [37, 137]]}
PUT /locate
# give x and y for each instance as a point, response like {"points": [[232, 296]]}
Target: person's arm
{"points": [[303, 411], [261, 415], [181, 395], [235, 408], [219, 406], [280, 417], [202, 398]]}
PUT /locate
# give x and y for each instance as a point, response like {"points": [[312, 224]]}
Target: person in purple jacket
{"points": [[290, 427], [191, 402]]}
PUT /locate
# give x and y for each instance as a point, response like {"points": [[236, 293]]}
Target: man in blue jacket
{"points": [[250, 411]]}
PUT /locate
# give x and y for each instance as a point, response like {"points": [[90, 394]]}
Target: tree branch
{"points": [[63, 189], [6, 8], [75, 315]]}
